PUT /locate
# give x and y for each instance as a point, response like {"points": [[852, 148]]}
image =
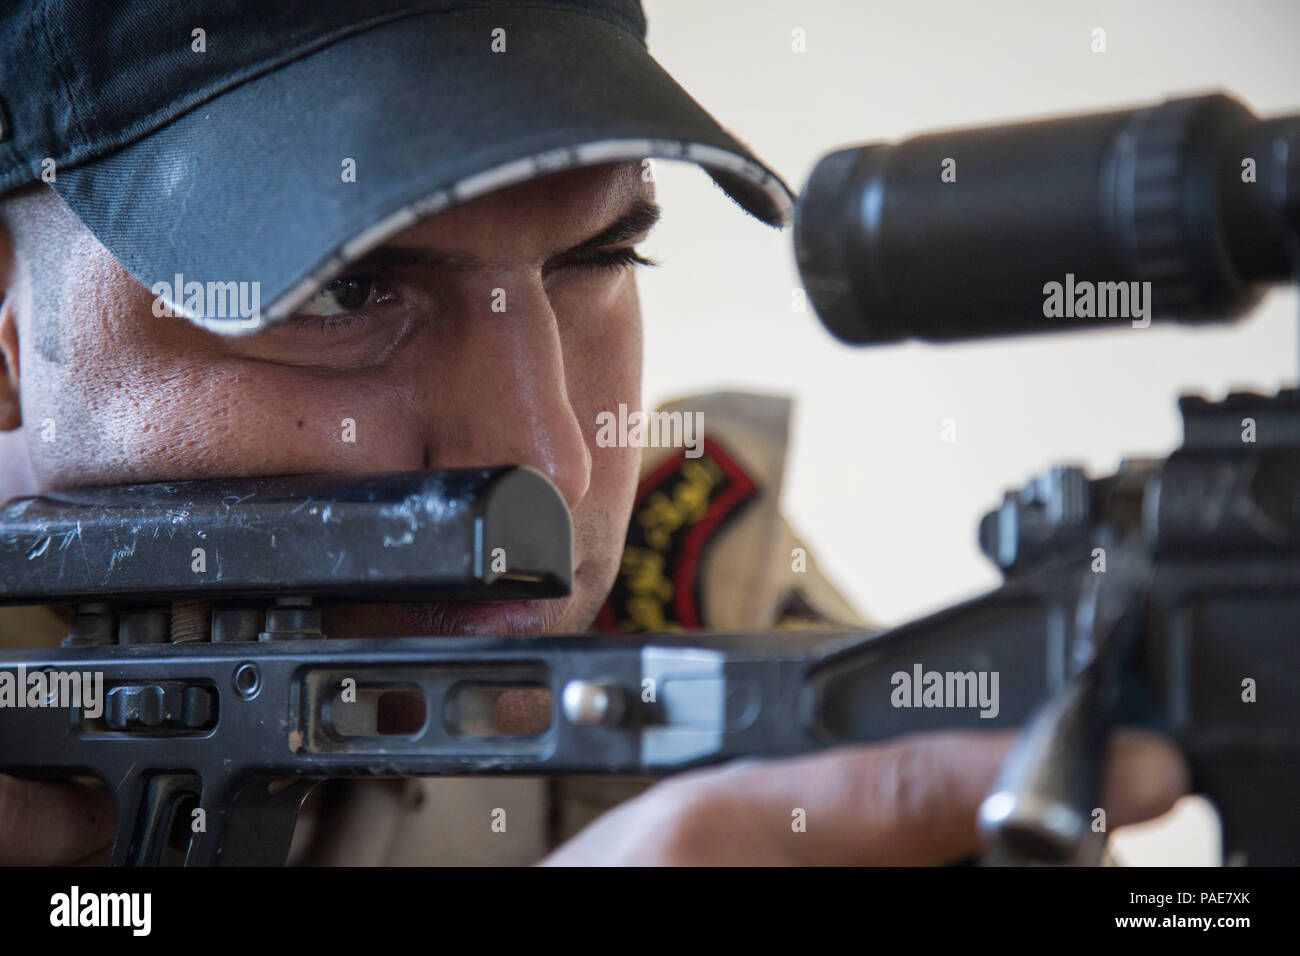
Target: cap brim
{"points": [[248, 187]]}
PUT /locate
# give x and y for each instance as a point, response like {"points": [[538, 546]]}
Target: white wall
{"points": [[889, 508]]}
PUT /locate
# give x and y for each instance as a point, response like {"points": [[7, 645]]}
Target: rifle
{"points": [[1148, 597]]}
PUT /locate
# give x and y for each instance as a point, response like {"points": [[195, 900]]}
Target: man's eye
{"points": [[345, 294], [613, 259]]}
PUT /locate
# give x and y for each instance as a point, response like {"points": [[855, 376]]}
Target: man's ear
{"points": [[11, 416]]}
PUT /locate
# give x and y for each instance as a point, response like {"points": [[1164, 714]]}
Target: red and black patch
{"points": [[680, 508]]}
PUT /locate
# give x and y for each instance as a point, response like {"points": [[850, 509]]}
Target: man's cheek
{"points": [[185, 424]]}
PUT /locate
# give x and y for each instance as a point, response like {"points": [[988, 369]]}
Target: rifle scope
{"points": [[1053, 225]]}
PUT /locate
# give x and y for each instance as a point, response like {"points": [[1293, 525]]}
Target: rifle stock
{"points": [[242, 728]]}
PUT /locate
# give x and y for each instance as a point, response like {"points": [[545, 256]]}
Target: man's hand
{"points": [[908, 802], [912, 801], [46, 823]]}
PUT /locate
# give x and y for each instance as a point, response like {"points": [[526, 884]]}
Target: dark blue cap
{"points": [[220, 155]]}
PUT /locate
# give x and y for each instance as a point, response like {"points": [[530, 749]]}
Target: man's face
{"points": [[407, 344]]}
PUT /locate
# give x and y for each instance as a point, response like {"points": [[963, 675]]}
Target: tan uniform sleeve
{"points": [[708, 547]]}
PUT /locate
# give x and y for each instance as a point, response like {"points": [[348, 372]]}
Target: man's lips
{"points": [[445, 619], [496, 618]]}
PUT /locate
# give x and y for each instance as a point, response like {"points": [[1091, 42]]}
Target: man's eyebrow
{"points": [[638, 219]]}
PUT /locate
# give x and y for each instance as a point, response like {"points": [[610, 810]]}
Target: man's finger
{"points": [[913, 801], [1145, 774], [909, 801], [52, 823]]}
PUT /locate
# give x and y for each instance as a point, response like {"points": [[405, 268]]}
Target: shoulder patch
{"points": [[680, 507]]}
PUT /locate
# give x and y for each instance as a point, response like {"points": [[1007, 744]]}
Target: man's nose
{"points": [[509, 393]]}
